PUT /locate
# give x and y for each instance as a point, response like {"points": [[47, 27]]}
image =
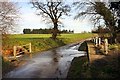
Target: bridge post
{"points": [[14, 51], [106, 46], [96, 41], [99, 40], [30, 50]]}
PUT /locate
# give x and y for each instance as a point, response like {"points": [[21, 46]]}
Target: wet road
{"points": [[54, 63]]}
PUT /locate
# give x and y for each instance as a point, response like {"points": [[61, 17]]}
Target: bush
{"points": [[114, 46]]}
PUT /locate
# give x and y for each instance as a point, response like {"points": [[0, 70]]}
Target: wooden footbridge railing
{"points": [[15, 49]]}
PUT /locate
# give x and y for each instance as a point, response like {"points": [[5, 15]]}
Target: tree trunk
{"points": [[55, 31], [113, 34], [114, 37]]}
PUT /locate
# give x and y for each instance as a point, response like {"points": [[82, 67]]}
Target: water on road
{"points": [[54, 63]]}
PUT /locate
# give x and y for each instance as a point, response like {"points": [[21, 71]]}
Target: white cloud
{"points": [[31, 17], [77, 25]]}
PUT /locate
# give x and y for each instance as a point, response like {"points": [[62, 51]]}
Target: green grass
{"points": [[37, 44], [30, 36], [42, 42], [69, 38], [79, 35], [6, 66], [114, 46], [79, 66]]}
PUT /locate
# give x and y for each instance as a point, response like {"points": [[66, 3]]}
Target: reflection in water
{"points": [[55, 61], [30, 55], [49, 64], [56, 56]]}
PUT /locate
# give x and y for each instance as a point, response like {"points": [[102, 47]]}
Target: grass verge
{"points": [[42, 42]]}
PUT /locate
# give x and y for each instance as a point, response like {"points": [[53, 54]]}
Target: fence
{"points": [[15, 49], [103, 43]]}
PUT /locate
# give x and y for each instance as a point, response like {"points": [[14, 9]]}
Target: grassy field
{"points": [[79, 35], [42, 42]]}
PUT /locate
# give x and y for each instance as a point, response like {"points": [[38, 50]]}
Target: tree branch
{"points": [[50, 9], [60, 15]]}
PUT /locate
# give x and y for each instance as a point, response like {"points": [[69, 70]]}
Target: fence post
{"points": [[99, 41], [30, 48], [14, 52], [93, 40], [96, 41], [106, 46]]}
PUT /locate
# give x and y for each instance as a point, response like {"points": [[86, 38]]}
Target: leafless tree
{"points": [[51, 10], [8, 17]]}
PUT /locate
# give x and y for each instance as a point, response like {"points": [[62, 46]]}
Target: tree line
{"points": [[101, 30], [44, 31]]}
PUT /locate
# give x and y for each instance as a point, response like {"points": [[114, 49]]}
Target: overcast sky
{"points": [[28, 19]]}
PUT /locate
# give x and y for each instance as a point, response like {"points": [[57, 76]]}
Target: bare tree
{"points": [[8, 16], [51, 10], [99, 11]]}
